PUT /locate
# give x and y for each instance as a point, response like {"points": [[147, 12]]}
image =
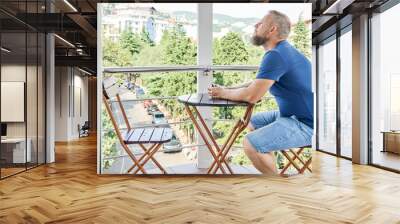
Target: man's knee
{"points": [[248, 148], [250, 127]]}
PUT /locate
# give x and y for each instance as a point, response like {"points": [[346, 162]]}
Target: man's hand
{"points": [[216, 92], [252, 93]]}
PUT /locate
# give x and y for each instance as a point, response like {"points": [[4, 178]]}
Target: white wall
{"points": [[12, 73], [33, 126], [71, 94], [81, 94]]}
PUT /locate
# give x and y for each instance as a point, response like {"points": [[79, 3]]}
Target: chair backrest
{"points": [[112, 118], [86, 125], [110, 90]]}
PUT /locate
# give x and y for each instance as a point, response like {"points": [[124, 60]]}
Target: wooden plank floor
{"points": [[69, 191]]}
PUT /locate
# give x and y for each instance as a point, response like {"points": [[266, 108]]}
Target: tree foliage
{"points": [[145, 38], [132, 42], [114, 54], [301, 37], [178, 48]]}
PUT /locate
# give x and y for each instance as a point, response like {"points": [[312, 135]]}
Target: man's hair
{"points": [[282, 22]]}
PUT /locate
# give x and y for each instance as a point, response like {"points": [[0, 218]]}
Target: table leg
{"points": [[228, 146], [211, 137], [204, 137], [238, 128]]}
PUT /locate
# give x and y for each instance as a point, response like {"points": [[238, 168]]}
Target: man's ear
{"points": [[273, 29]]}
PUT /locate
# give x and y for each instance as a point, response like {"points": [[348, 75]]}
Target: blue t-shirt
{"points": [[291, 71]]}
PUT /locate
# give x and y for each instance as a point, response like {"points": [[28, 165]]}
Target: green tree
{"points": [[301, 37], [109, 139], [145, 37], [131, 41], [114, 54], [149, 56], [178, 48], [255, 54], [230, 50]]}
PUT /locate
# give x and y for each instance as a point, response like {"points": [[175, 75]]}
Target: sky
{"points": [[241, 10]]}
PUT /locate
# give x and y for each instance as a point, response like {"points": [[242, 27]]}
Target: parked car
{"points": [[159, 118], [139, 91], [129, 85], [151, 109], [173, 146], [147, 103]]}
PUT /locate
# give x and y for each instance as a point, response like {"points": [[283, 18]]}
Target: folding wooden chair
{"points": [[300, 165], [139, 136]]}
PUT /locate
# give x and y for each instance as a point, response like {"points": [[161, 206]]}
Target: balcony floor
{"points": [[173, 163], [70, 191]]}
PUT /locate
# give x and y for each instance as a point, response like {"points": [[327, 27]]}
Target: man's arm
{"points": [[252, 93], [240, 86]]}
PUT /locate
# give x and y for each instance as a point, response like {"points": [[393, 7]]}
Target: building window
{"points": [[327, 95], [385, 87], [346, 93]]}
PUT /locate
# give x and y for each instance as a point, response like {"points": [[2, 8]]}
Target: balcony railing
{"points": [[155, 69], [181, 68]]}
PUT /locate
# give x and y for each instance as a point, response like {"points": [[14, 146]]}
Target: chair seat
{"points": [[147, 135]]}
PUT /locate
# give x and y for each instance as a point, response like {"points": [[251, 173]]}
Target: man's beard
{"points": [[258, 40]]}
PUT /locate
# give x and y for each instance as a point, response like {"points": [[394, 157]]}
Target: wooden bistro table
{"points": [[219, 154]]}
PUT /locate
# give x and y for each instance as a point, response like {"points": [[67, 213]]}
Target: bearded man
{"points": [[286, 74]]}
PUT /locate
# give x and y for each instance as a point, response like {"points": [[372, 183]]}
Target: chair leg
{"points": [[155, 161], [149, 153], [133, 158], [306, 166], [289, 164], [292, 162], [297, 155], [140, 159], [155, 149]]}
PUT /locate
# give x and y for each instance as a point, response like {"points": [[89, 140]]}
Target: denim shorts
{"points": [[273, 132]]}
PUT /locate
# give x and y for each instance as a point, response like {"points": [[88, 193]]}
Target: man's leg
{"points": [[262, 119], [284, 133], [265, 163]]}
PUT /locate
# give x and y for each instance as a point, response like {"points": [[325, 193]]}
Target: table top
{"points": [[203, 99]]}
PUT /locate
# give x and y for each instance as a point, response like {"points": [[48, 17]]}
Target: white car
{"points": [[173, 146], [159, 118]]}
